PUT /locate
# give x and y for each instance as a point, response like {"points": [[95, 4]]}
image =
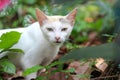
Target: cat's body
{"points": [[41, 40]]}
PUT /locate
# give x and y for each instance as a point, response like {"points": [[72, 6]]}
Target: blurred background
{"points": [[99, 18], [97, 22]]}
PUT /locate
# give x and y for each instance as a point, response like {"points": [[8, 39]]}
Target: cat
{"points": [[41, 40]]}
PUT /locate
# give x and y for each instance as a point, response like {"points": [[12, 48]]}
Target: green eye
{"points": [[64, 29], [49, 29]]}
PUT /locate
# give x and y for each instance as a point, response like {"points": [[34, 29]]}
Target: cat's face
{"points": [[56, 28], [57, 31]]}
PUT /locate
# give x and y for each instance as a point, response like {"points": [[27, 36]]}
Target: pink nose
{"points": [[57, 38]]}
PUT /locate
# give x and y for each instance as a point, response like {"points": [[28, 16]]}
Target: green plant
{"points": [[7, 66], [110, 37], [59, 68], [104, 51], [82, 76], [1, 78], [7, 40], [71, 46]]}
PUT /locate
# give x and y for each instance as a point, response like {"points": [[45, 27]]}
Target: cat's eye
{"points": [[63, 29], [49, 29]]}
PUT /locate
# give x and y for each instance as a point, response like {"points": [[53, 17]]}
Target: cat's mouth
{"points": [[57, 41]]}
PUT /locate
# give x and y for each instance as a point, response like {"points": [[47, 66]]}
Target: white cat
{"points": [[41, 40]]}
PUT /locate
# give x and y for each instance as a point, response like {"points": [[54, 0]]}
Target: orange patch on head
{"points": [[54, 18]]}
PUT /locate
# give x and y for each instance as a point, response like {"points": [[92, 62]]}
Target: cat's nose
{"points": [[57, 38]]}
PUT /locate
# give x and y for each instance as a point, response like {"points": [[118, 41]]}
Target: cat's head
{"points": [[57, 29]]}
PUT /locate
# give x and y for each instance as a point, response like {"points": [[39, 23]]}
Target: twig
{"points": [[105, 77]]}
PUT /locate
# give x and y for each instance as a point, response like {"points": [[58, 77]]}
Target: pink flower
{"points": [[4, 3]]}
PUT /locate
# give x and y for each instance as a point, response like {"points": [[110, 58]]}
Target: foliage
{"points": [[7, 66], [110, 37], [32, 70], [105, 51], [82, 76], [92, 15], [59, 68], [1, 78], [7, 7], [37, 67], [72, 46], [7, 40]]}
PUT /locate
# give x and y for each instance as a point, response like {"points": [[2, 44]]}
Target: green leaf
{"points": [[71, 70], [82, 76], [58, 69], [7, 66], [1, 78], [15, 50], [54, 64], [8, 39], [32, 70], [29, 1], [41, 78], [106, 51]]}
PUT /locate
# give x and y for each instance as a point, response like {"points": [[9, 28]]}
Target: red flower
{"points": [[4, 3]]}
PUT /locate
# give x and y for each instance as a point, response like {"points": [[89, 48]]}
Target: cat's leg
{"points": [[26, 62], [46, 61], [30, 76], [29, 60]]}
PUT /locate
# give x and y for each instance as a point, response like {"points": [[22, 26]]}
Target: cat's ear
{"points": [[71, 16], [41, 17]]}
